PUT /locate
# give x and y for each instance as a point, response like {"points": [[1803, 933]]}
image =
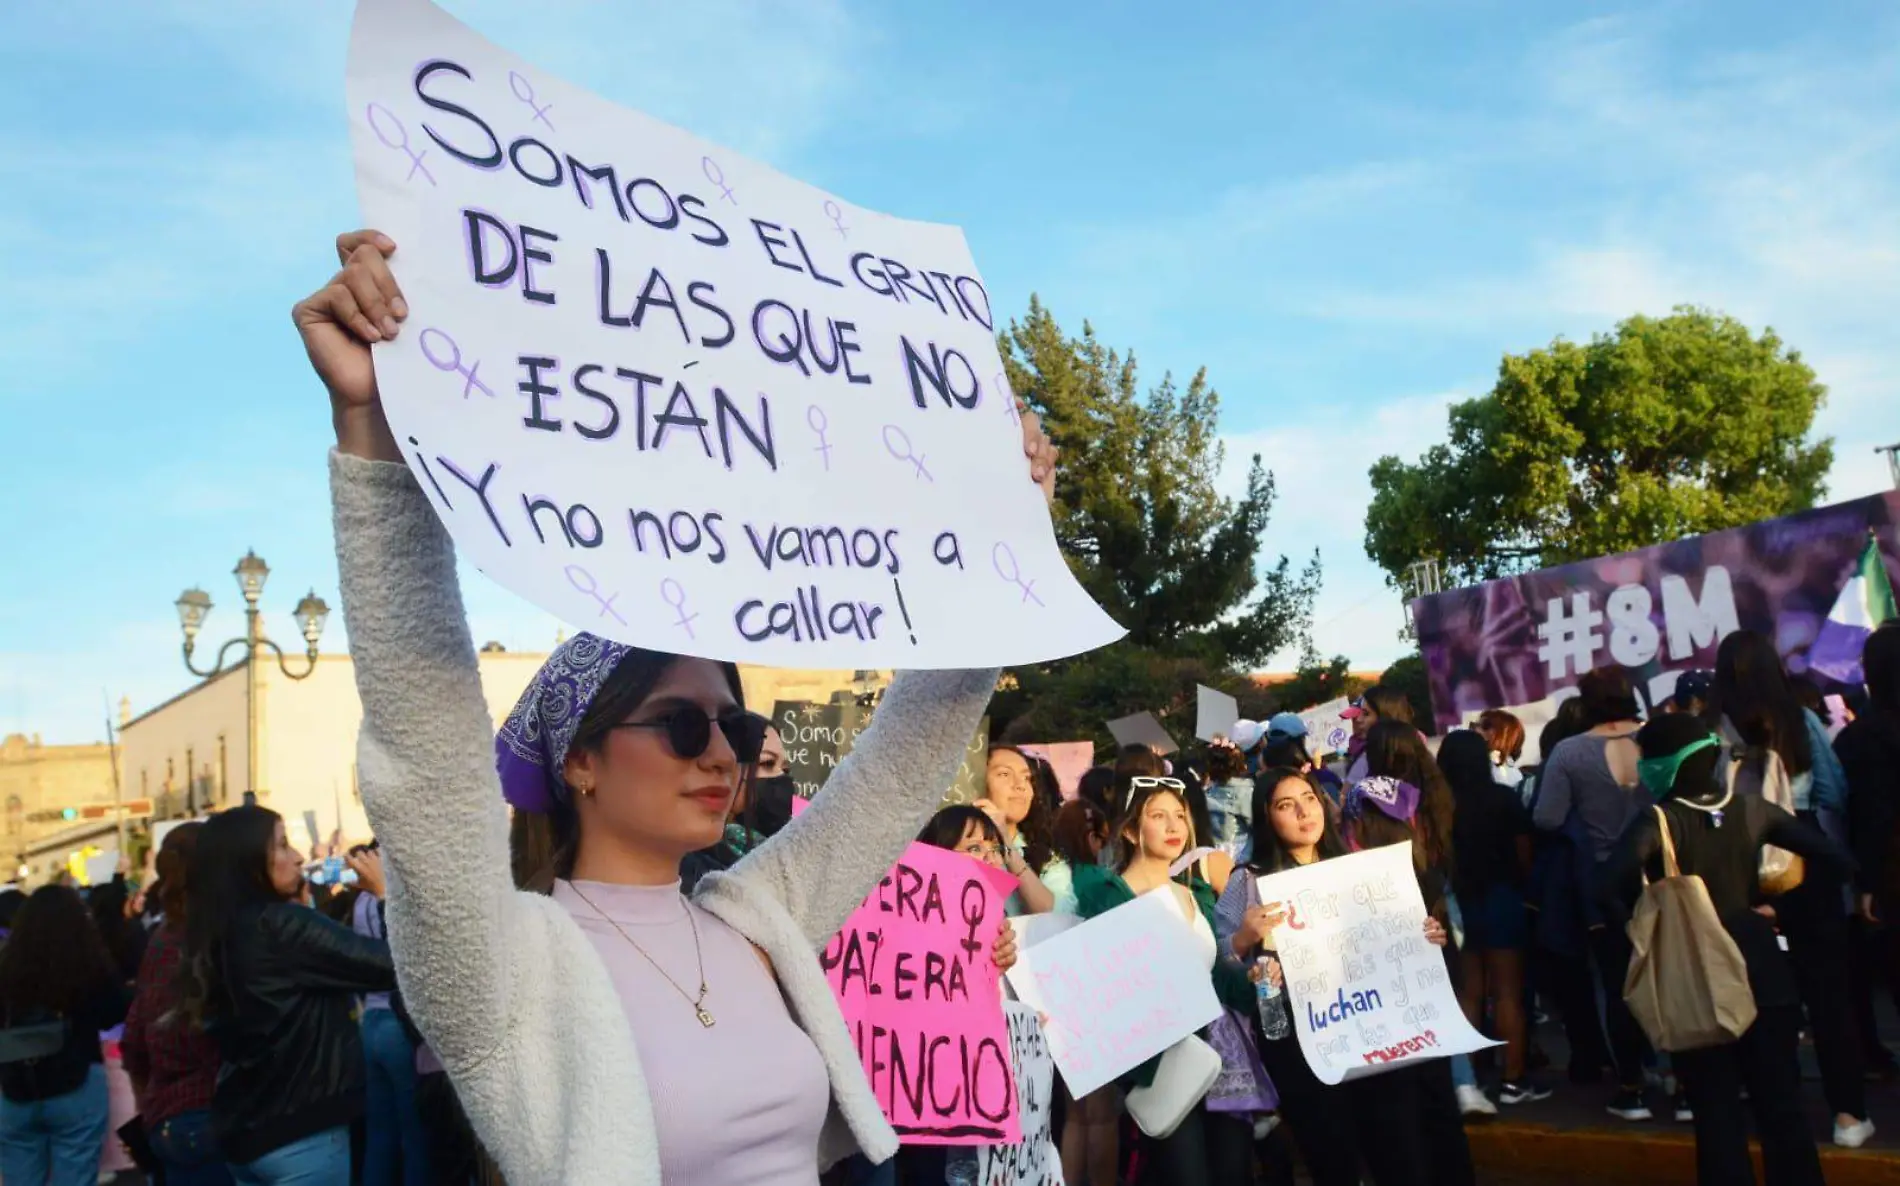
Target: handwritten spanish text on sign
{"points": [[1118, 989], [818, 736], [924, 1001], [1033, 1161], [685, 401], [1366, 991]]}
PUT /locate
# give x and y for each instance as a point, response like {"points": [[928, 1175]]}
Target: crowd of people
{"points": [[583, 950]]}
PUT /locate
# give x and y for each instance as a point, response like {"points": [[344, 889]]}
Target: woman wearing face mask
{"points": [[761, 810], [592, 1033], [1718, 836], [1292, 828], [1156, 831], [1026, 821], [275, 985]]}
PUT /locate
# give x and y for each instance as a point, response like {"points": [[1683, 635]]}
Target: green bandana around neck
{"points": [[1659, 774]]}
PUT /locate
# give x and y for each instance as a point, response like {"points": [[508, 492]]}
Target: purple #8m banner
{"points": [[1657, 611]]}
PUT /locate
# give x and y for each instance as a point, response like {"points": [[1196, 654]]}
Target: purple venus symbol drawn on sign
{"points": [[717, 176], [1002, 554], [584, 582], [673, 595], [1009, 400], [400, 143], [452, 363], [815, 416], [897, 444], [524, 91], [837, 218]]}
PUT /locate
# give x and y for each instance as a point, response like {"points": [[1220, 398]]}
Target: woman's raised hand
{"points": [[360, 305]]}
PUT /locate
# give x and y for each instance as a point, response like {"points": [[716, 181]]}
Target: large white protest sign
{"points": [[1214, 712], [1118, 989], [1365, 989], [682, 400], [1033, 1161], [1327, 732]]}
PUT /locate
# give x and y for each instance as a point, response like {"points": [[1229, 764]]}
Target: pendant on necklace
{"points": [[706, 1019]]}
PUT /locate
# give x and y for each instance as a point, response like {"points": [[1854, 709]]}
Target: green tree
{"points": [[1408, 676], [1315, 681], [1148, 533], [1669, 427]]}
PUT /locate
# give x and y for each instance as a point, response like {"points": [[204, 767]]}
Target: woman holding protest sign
{"points": [[592, 1037], [1292, 827], [1156, 831]]}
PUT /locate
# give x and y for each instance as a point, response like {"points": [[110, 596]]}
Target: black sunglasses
{"points": [[689, 731]]}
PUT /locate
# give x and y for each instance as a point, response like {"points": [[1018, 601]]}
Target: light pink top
{"points": [[742, 1101]]}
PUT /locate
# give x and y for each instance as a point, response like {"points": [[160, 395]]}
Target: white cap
{"points": [[1246, 734]]}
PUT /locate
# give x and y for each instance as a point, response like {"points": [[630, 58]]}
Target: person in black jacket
{"points": [[1719, 837], [273, 983], [1869, 751], [58, 989]]}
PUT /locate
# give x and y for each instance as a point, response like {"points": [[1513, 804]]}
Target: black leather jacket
{"points": [[293, 1057]]}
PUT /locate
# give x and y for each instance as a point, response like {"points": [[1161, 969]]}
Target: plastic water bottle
{"points": [[1272, 1005], [960, 1168]]}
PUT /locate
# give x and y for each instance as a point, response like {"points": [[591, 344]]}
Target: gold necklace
{"points": [[698, 1003]]}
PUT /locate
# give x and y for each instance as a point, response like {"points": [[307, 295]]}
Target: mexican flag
{"points": [[1865, 602]]}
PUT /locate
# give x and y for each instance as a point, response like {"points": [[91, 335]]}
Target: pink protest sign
{"points": [[924, 1002], [1071, 760]]}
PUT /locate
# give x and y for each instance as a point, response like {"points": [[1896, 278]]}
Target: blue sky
{"points": [[1347, 212]]}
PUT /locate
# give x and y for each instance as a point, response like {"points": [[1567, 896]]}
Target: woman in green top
{"points": [[1155, 831]]}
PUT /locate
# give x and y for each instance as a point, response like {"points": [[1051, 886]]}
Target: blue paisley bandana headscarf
{"points": [[532, 745]]}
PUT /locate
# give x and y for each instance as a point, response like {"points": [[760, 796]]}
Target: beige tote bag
{"points": [[1687, 984]]}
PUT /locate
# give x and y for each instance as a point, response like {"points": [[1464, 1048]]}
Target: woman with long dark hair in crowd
{"points": [[1587, 788], [123, 935], [593, 1036], [1156, 831], [1015, 799], [173, 1064], [1869, 752], [1081, 833], [59, 987], [1292, 828], [1377, 703], [1409, 1126], [1491, 841], [1754, 710], [1717, 835], [274, 984]]}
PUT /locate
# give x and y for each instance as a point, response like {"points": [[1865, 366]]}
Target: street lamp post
{"points": [[194, 605]]}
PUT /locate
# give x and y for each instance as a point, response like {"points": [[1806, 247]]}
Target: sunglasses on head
{"points": [[689, 731], [1142, 782]]}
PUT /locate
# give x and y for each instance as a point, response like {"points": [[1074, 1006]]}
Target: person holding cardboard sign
{"points": [[592, 1038]]}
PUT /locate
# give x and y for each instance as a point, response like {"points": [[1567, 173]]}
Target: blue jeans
{"points": [[56, 1141], [1463, 1074], [320, 1160], [395, 1144], [189, 1152]]}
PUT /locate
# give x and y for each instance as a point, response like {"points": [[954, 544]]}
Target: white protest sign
{"points": [[684, 401], [1034, 1160], [1214, 712], [1117, 990], [1365, 990], [101, 868], [1326, 731]]}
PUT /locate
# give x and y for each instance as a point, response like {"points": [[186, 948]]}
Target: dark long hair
{"points": [[1388, 703], [1464, 757], [1880, 660], [1270, 853], [1098, 787], [1079, 823], [54, 958], [542, 847], [946, 828], [1132, 762], [174, 873], [1038, 828], [230, 883], [1607, 697], [1393, 749], [1751, 689]]}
